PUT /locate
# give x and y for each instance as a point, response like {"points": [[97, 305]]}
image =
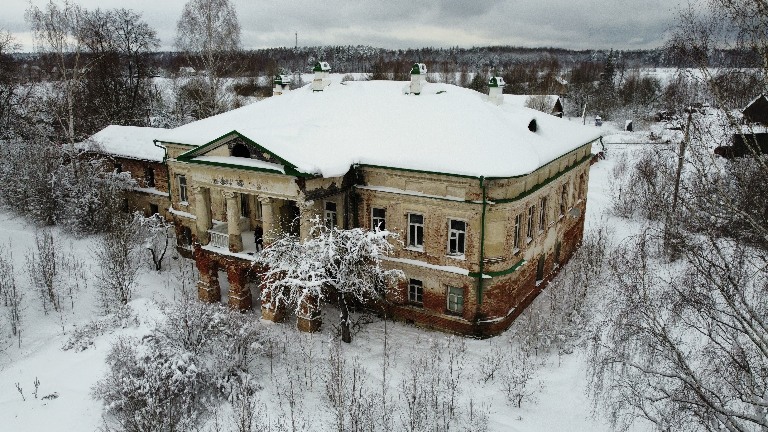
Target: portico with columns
{"points": [[237, 199]]}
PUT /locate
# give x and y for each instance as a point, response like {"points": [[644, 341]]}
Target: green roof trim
{"points": [[502, 272], [290, 169], [239, 167], [544, 183]]}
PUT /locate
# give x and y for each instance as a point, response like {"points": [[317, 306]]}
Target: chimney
{"points": [[282, 85], [322, 71], [495, 90], [418, 77]]}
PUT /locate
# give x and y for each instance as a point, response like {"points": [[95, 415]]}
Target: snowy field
{"points": [[62, 399]]}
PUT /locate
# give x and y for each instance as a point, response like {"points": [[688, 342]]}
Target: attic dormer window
{"points": [[241, 150], [532, 126]]}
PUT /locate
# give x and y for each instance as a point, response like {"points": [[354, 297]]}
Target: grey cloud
{"points": [[621, 24]]}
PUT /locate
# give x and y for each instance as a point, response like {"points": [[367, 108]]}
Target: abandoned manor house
{"points": [[488, 197]]}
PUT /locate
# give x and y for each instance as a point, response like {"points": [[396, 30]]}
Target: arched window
{"points": [[241, 150]]}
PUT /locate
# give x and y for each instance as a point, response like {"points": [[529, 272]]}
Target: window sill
{"points": [[515, 251], [541, 232], [184, 203], [457, 314], [416, 305], [461, 257], [415, 249], [528, 240]]}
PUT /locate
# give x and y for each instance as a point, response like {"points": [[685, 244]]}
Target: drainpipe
{"points": [[482, 247]]}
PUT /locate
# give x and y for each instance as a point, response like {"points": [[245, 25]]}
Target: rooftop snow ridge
{"points": [[374, 123]]}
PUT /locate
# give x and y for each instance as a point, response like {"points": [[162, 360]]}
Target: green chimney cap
{"points": [[321, 67], [419, 69], [496, 81]]}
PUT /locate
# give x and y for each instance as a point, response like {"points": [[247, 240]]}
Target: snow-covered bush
{"points": [[199, 354], [645, 187], [149, 387]]}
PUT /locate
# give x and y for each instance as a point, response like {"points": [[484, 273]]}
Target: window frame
{"points": [[564, 199], [181, 181], [378, 222], [542, 214], [416, 292], [531, 222], [149, 177], [454, 300], [415, 229], [460, 237], [516, 233], [330, 217]]}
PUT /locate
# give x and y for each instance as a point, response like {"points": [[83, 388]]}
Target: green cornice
{"points": [[501, 272], [544, 183]]}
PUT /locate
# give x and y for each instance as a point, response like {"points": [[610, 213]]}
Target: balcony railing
{"points": [[219, 239]]}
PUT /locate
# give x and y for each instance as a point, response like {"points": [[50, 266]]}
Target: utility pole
{"points": [[668, 241]]}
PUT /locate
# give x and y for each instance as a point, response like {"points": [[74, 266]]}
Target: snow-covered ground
{"points": [[64, 402]]}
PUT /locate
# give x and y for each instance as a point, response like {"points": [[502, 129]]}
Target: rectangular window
{"points": [[457, 232], [531, 213], [118, 167], [378, 219], [182, 181], [581, 186], [149, 177], [543, 214], [330, 214], [564, 199], [153, 209], [415, 230], [516, 241], [455, 300], [416, 292]]}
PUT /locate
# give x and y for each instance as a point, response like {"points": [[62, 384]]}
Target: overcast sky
{"points": [[576, 24]]}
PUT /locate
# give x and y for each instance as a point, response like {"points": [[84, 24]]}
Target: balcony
{"points": [[220, 237]]}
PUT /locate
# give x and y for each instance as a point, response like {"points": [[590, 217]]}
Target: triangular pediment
{"points": [[237, 151]]}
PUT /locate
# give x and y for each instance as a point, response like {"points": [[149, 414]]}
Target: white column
{"points": [[202, 213], [233, 221], [306, 215], [267, 219]]}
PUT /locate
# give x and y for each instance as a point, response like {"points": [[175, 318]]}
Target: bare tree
{"points": [[208, 32], [56, 30], [117, 256]]}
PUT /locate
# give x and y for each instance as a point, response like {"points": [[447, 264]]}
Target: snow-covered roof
{"points": [[127, 141], [521, 100], [446, 129]]}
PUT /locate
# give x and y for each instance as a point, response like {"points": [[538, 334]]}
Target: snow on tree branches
{"points": [[332, 264]]}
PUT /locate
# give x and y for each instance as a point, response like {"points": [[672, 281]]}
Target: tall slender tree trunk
{"points": [[346, 335]]}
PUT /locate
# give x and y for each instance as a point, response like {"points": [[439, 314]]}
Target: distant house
{"points": [[752, 135], [488, 196], [131, 149], [757, 111], [550, 104]]}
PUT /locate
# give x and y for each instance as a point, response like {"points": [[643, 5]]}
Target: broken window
{"points": [[416, 292], [378, 219], [457, 231], [182, 181], [416, 230], [330, 214]]}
